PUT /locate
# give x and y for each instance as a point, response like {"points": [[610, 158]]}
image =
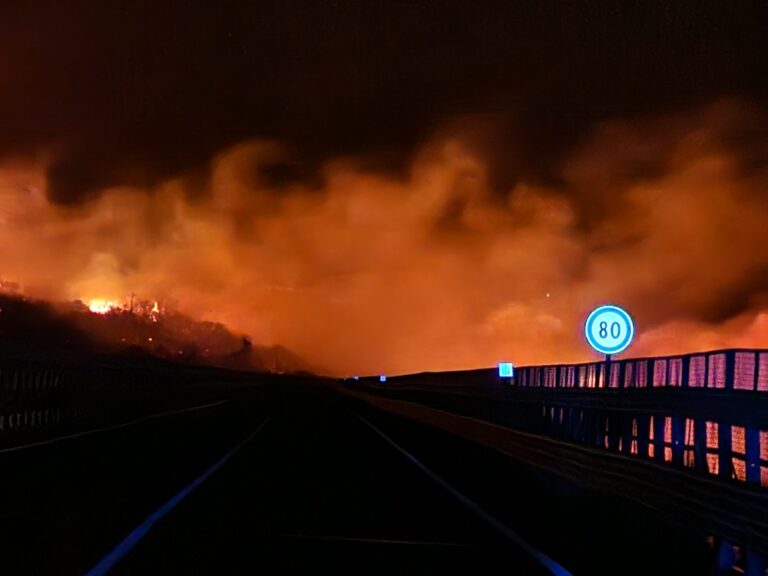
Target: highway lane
{"points": [[284, 477], [297, 477], [318, 489]]}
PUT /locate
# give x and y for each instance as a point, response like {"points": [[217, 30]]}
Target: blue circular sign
{"points": [[609, 329]]}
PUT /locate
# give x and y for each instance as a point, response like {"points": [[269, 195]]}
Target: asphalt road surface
{"points": [[300, 479], [284, 480]]}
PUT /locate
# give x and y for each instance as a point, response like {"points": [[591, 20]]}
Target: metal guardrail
{"points": [[729, 450], [735, 369], [704, 413], [707, 411], [38, 396]]}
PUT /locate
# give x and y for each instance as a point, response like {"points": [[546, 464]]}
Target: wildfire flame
{"points": [[101, 306]]}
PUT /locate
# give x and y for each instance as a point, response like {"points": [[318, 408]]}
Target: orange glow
{"points": [[438, 268], [101, 306]]}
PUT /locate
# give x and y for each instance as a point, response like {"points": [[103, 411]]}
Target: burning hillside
{"points": [[133, 327]]}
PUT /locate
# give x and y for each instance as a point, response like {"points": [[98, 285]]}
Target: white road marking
{"points": [[553, 567], [105, 565]]}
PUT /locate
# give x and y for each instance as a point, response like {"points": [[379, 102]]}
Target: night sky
{"points": [[455, 171], [138, 91]]}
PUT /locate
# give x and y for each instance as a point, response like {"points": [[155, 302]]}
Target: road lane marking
{"points": [[553, 567], [108, 562], [110, 428]]}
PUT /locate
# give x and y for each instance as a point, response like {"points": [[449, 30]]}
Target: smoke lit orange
{"points": [[435, 270]]}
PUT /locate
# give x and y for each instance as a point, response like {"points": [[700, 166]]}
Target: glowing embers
{"points": [[100, 306], [150, 309]]}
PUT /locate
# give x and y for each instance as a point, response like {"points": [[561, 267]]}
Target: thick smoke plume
{"points": [[368, 273]]}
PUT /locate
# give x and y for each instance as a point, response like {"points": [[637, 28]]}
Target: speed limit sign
{"points": [[609, 329]]}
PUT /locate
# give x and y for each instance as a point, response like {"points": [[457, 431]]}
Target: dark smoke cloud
{"points": [[131, 93]]}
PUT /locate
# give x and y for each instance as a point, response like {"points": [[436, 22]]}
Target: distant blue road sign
{"points": [[609, 329], [506, 370]]}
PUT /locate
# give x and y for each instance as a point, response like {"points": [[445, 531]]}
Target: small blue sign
{"points": [[382, 378], [609, 329], [506, 370]]}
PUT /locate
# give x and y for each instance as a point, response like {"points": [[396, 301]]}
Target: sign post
{"points": [[609, 330]]}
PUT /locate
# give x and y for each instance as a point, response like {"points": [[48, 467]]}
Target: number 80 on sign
{"points": [[609, 329]]}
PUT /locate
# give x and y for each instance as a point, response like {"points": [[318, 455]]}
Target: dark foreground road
{"points": [[301, 479]]}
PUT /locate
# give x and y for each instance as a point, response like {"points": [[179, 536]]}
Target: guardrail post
{"points": [[658, 437], [726, 555], [756, 565], [752, 455], [730, 368], [724, 450], [626, 433], [678, 439], [700, 445], [643, 429]]}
